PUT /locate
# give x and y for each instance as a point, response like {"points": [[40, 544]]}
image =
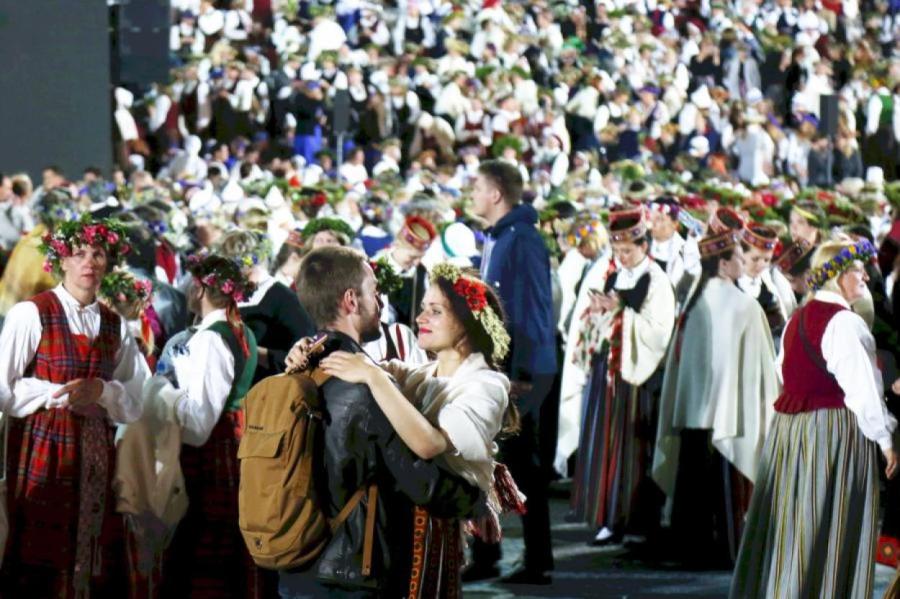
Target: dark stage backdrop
{"points": [[54, 86]]}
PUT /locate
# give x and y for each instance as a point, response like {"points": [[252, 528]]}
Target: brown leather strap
{"points": [[348, 509], [369, 539], [319, 377]]}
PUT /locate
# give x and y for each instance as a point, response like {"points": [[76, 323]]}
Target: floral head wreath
{"points": [[861, 251], [223, 274], [261, 253], [475, 294], [123, 287], [334, 225], [388, 279], [60, 243]]}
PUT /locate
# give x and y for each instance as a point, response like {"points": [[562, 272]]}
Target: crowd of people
{"points": [[651, 247]]}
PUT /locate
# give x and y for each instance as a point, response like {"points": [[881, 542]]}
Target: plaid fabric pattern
{"points": [[45, 469], [208, 558]]}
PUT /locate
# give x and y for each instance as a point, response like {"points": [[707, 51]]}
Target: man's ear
{"points": [[350, 301]]}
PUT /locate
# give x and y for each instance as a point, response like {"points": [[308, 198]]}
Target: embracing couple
{"points": [[424, 435]]}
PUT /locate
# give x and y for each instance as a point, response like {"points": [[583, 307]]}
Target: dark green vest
{"points": [[244, 367]]}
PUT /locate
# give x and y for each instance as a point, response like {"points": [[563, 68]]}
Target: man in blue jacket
{"points": [[517, 264]]}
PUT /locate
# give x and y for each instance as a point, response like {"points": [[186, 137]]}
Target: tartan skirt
{"points": [[811, 529], [44, 466], [207, 558]]}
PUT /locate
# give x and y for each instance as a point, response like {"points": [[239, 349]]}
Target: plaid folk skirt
{"points": [[44, 466], [207, 558]]}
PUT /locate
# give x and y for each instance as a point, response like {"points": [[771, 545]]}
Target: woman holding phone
{"points": [[623, 341]]}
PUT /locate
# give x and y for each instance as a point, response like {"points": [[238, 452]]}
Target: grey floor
{"points": [[601, 573]]}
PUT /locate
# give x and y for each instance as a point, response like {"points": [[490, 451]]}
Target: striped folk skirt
{"points": [[437, 557], [612, 485], [811, 529]]}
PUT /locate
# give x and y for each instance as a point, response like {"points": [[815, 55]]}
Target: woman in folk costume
{"points": [[70, 371], [213, 371], [811, 529], [622, 345], [590, 241], [451, 410], [770, 288], [272, 311], [718, 389]]}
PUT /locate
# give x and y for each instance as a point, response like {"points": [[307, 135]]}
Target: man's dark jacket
{"points": [[360, 446]]}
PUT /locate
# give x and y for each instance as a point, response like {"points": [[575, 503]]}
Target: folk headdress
{"points": [[725, 219], [475, 294], [862, 251], [585, 226], [226, 276], [344, 231], [222, 274], [718, 243], [386, 277], [67, 236], [417, 232], [795, 258], [666, 205], [760, 237], [627, 224]]}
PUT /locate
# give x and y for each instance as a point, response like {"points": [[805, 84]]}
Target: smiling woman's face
{"points": [[439, 329]]}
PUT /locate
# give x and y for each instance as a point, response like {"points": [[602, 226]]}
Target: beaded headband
{"points": [[861, 252], [475, 294], [761, 237], [718, 244]]}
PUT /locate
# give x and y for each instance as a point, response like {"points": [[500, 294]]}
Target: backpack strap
{"points": [[369, 538]]}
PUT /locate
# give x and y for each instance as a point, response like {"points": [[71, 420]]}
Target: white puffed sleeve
{"points": [[849, 351]]}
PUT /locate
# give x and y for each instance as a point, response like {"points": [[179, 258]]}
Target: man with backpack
{"points": [[368, 555]]}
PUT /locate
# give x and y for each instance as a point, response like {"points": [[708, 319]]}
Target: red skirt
{"points": [[437, 557], [208, 558], [44, 490]]}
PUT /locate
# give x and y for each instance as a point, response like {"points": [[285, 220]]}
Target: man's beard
{"points": [[371, 329]]}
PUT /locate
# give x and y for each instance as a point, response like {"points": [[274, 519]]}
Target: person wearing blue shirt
{"points": [[516, 263]]}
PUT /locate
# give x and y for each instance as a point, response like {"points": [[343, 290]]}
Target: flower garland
{"points": [[222, 274], [261, 253], [123, 287], [388, 279], [861, 251], [475, 294], [60, 243], [335, 225]]}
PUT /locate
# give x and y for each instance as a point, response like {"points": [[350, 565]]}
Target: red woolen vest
{"points": [[808, 385]]}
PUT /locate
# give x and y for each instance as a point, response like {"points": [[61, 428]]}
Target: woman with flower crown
{"points": [[623, 341], [811, 529], [717, 393], [69, 372], [213, 371], [272, 311], [451, 410]]}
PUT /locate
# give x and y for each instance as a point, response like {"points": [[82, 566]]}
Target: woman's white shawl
{"points": [[469, 406], [724, 381]]}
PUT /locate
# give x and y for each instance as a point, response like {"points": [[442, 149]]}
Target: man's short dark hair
{"points": [[55, 169], [505, 177], [20, 187], [325, 275]]}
